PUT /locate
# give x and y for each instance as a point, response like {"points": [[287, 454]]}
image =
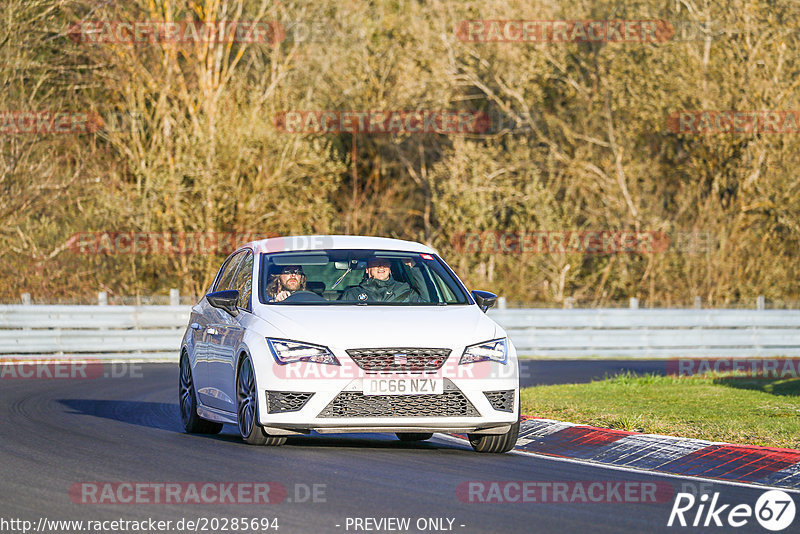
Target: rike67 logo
{"points": [[774, 510]]}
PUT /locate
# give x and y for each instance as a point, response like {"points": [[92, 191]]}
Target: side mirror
{"points": [[484, 299], [225, 300]]}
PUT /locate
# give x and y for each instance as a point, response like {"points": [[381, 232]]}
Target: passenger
{"points": [[290, 279], [381, 287]]}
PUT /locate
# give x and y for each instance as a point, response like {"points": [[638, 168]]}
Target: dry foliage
{"points": [[198, 150]]}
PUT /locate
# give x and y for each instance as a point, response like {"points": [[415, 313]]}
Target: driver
{"points": [[290, 279], [381, 287]]}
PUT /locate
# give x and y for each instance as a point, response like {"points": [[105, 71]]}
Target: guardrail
{"points": [[154, 332], [652, 333], [96, 332]]}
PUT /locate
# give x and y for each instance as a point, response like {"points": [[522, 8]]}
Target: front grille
{"points": [[399, 359], [452, 403], [501, 400], [286, 401]]}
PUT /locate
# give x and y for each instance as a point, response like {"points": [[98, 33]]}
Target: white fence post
{"points": [[174, 297], [760, 302], [501, 303], [102, 298], [698, 303], [26, 299], [634, 303]]}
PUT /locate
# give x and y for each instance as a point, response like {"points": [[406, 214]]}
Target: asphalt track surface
{"points": [[58, 433]]}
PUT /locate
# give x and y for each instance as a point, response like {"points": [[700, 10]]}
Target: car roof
{"points": [[325, 242]]}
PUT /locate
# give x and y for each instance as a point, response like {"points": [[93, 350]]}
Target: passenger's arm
{"points": [[417, 284]]}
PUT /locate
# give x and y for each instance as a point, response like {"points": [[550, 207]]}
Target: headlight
{"points": [[488, 351], [285, 351]]}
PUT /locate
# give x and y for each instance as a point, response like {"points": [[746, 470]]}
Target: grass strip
{"points": [[732, 409]]}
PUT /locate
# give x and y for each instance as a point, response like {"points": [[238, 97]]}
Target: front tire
{"points": [[497, 443], [192, 423], [247, 408]]}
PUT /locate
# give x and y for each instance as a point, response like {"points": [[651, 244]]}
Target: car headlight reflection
{"points": [[285, 351], [488, 351]]}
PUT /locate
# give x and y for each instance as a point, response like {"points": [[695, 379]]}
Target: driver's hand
{"points": [[282, 295]]}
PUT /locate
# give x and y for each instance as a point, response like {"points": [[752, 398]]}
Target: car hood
{"points": [[382, 326]]}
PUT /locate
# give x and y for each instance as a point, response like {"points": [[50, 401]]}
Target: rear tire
{"points": [[192, 423], [414, 436], [247, 408]]}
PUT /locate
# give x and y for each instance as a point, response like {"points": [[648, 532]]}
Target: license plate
{"points": [[403, 386]]}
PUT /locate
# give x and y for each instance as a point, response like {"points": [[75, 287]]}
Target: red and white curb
{"points": [[680, 456]]}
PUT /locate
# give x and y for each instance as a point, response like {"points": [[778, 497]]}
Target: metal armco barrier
{"points": [[154, 332], [92, 332], [652, 333]]}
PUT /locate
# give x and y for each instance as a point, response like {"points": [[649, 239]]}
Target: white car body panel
{"points": [[324, 242], [214, 357]]}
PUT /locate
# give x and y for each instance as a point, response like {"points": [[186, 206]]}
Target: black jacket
{"points": [[372, 290]]}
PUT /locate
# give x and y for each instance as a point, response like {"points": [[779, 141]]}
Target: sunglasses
{"points": [[293, 270]]}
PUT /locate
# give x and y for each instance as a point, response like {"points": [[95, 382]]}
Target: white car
{"points": [[338, 334]]}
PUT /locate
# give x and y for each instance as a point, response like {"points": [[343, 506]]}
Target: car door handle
{"points": [[195, 326], [212, 331]]}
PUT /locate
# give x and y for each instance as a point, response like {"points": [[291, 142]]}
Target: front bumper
{"points": [[337, 405]]}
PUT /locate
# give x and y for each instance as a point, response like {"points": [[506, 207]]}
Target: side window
{"points": [[244, 281], [229, 270]]}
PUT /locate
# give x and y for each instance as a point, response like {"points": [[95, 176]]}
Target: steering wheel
{"points": [[304, 296]]}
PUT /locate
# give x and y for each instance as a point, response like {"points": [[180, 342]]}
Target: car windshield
{"points": [[358, 277]]}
